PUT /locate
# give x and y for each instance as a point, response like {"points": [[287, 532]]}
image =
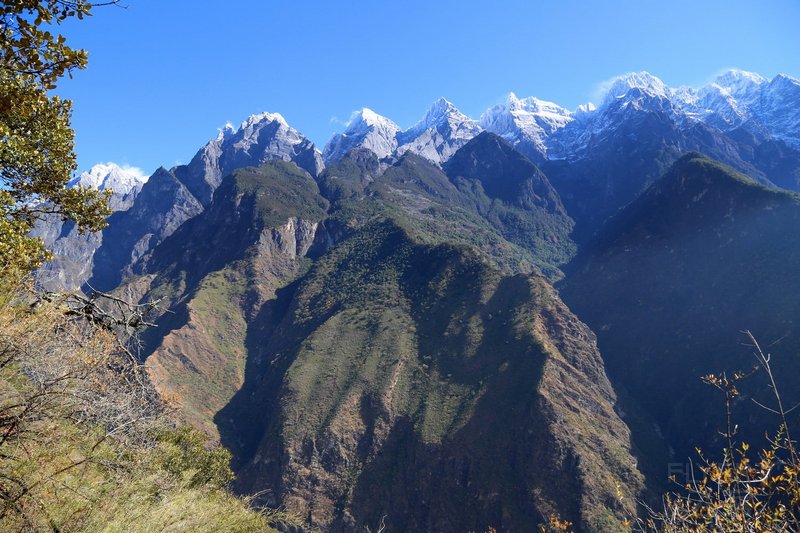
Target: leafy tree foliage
{"points": [[743, 491], [37, 155]]}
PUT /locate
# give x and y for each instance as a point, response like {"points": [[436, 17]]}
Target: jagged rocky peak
{"points": [[442, 113], [262, 137], [441, 132], [366, 129], [526, 122], [121, 179]]}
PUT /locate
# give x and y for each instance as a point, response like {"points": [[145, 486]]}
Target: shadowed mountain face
{"points": [[171, 197], [515, 197], [163, 204], [488, 196], [420, 383], [671, 282]]}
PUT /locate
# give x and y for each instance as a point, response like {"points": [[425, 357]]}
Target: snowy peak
{"points": [[366, 129], [441, 132], [260, 138], [366, 120], [544, 130], [265, 117], [120, 179], [739, 98], [526, 123], [254, 130], [740, 82], [442, 112], [782, 82], [643, 81]]}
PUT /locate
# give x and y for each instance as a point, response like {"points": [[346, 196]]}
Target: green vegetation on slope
{"points": [[215, 272], [672, 281], [403, 372], [421, 197], [280, 190]]}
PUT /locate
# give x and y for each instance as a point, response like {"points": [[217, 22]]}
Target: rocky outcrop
{"points": [[442, 131], [367, 130]]}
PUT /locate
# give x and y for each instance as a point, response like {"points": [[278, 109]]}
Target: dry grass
{"points": [[84, 446]]}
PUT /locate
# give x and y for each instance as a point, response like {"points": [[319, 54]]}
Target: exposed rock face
{"points": [[261, 138], [73, 255], [526, 123], [442, 131], [367, 130], [162, 205], [418, 383], [767, 108], [438, 136], [73, 252], [173, 197]]}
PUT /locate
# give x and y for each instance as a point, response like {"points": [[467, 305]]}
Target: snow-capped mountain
{"points": [[741, 99], [778, 110], [443, 130], [438, 136], [262, 137], [366, 129], [628, 99], [102, 176], [124, 181], [725, 103], [526, 123], [619, 87], [72, 250]]}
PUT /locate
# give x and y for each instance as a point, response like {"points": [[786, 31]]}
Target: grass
{"points": [[84, 450]]}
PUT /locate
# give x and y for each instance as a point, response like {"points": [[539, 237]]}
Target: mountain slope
{"points": [[525, 230], [417, 382], [515, 197], [163, 204], [171, 197], [672, 281], [616, 152], [215, 272], [744, 99]]}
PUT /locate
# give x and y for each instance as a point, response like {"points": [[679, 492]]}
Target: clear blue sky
{"points": [[163, 75]]}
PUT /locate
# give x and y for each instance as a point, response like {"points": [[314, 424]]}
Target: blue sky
{"points": [[163, 75]]}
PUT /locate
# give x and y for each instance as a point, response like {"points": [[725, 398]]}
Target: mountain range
{"points": [[469, 323]]}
